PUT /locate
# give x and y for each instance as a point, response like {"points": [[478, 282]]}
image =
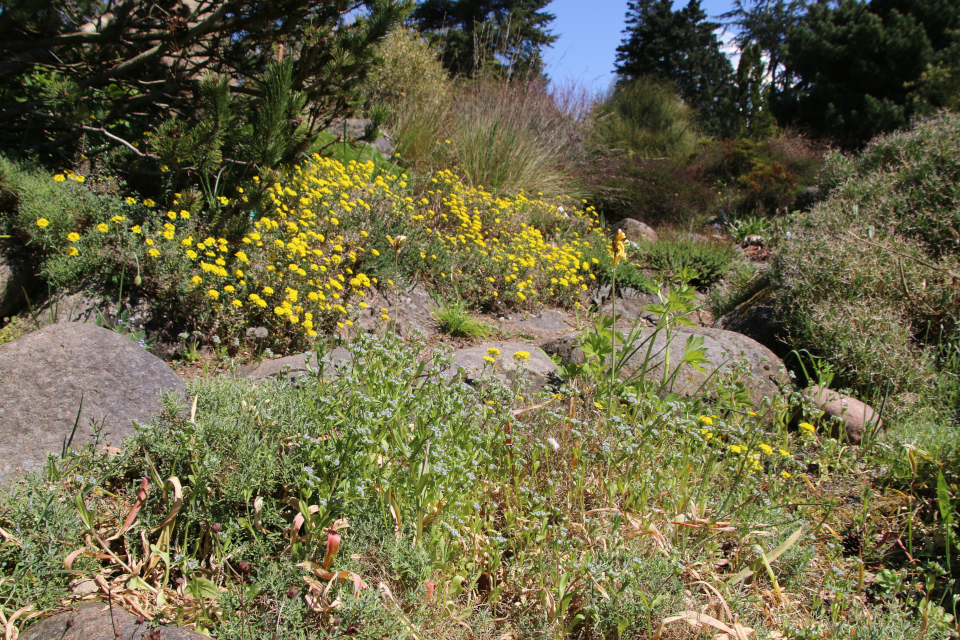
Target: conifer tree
{"points": [[858, 65], [501, 37], [192, 84], [753, 90], [681, 48]]}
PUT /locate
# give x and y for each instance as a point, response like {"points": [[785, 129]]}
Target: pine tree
{"points": [[753, 90], [501, 37], [767, 23], [858, 64], [681, 48], [246, 83]]}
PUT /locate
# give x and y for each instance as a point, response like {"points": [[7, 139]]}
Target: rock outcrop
{"points": [[764, 372], [45, 374]]}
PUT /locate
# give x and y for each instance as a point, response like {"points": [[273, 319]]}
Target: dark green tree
{"points": [[767, 23], [192, 84], [753, 105], [857, 65], [681, 48], [502, 37]]}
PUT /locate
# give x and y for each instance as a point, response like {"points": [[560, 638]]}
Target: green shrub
{"points": [[410, 72], [709, 260], [867, 279], [762, 177]]}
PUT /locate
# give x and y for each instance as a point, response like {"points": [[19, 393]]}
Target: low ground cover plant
{"points": [[384, 502]]}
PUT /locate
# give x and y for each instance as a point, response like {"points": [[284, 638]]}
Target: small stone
{"points": [[636, 231], [852, 417]]}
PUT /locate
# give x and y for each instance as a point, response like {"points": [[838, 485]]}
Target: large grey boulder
{"points": [[755, 318], [545, 323], [764, 375], [412, 315], [536, 372], [96, 621], [808, 198], [43, 376]]}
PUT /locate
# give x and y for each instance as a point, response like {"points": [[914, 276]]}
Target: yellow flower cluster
{"points": [[299, 265], [517, 250]]}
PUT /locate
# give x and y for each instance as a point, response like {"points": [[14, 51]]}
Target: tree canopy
{"points": [[857, 65], [681, 48], [503, 37], [248, 82]]}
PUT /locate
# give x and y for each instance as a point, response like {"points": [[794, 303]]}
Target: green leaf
{"points": [[943, 498]]}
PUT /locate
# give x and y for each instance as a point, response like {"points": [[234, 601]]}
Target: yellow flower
{"points": [[765, 449], [242, 257], [707, 420], [619, 250], [102, 227], [73, 236], [149, 203], [42, 222], [164, 168], [213, 294], [136, 229], [489, 359], [735, 448], [706, 433], [237, 304], [521, 356], [171, 215], [131, 201], [191, 254], [72, 251], [185, 215], [153, 253], [229, 288], [806, 428], [784, 453], [785, 474], [195, 280], [148, 241], [493, 351], [397, 242], [58, 178]]}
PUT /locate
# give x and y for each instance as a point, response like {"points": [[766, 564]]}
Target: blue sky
{"points": [[589, 32]]}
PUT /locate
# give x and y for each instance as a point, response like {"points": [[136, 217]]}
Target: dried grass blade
{"points": [[177, 503], [10, 632], [142, 496]]}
